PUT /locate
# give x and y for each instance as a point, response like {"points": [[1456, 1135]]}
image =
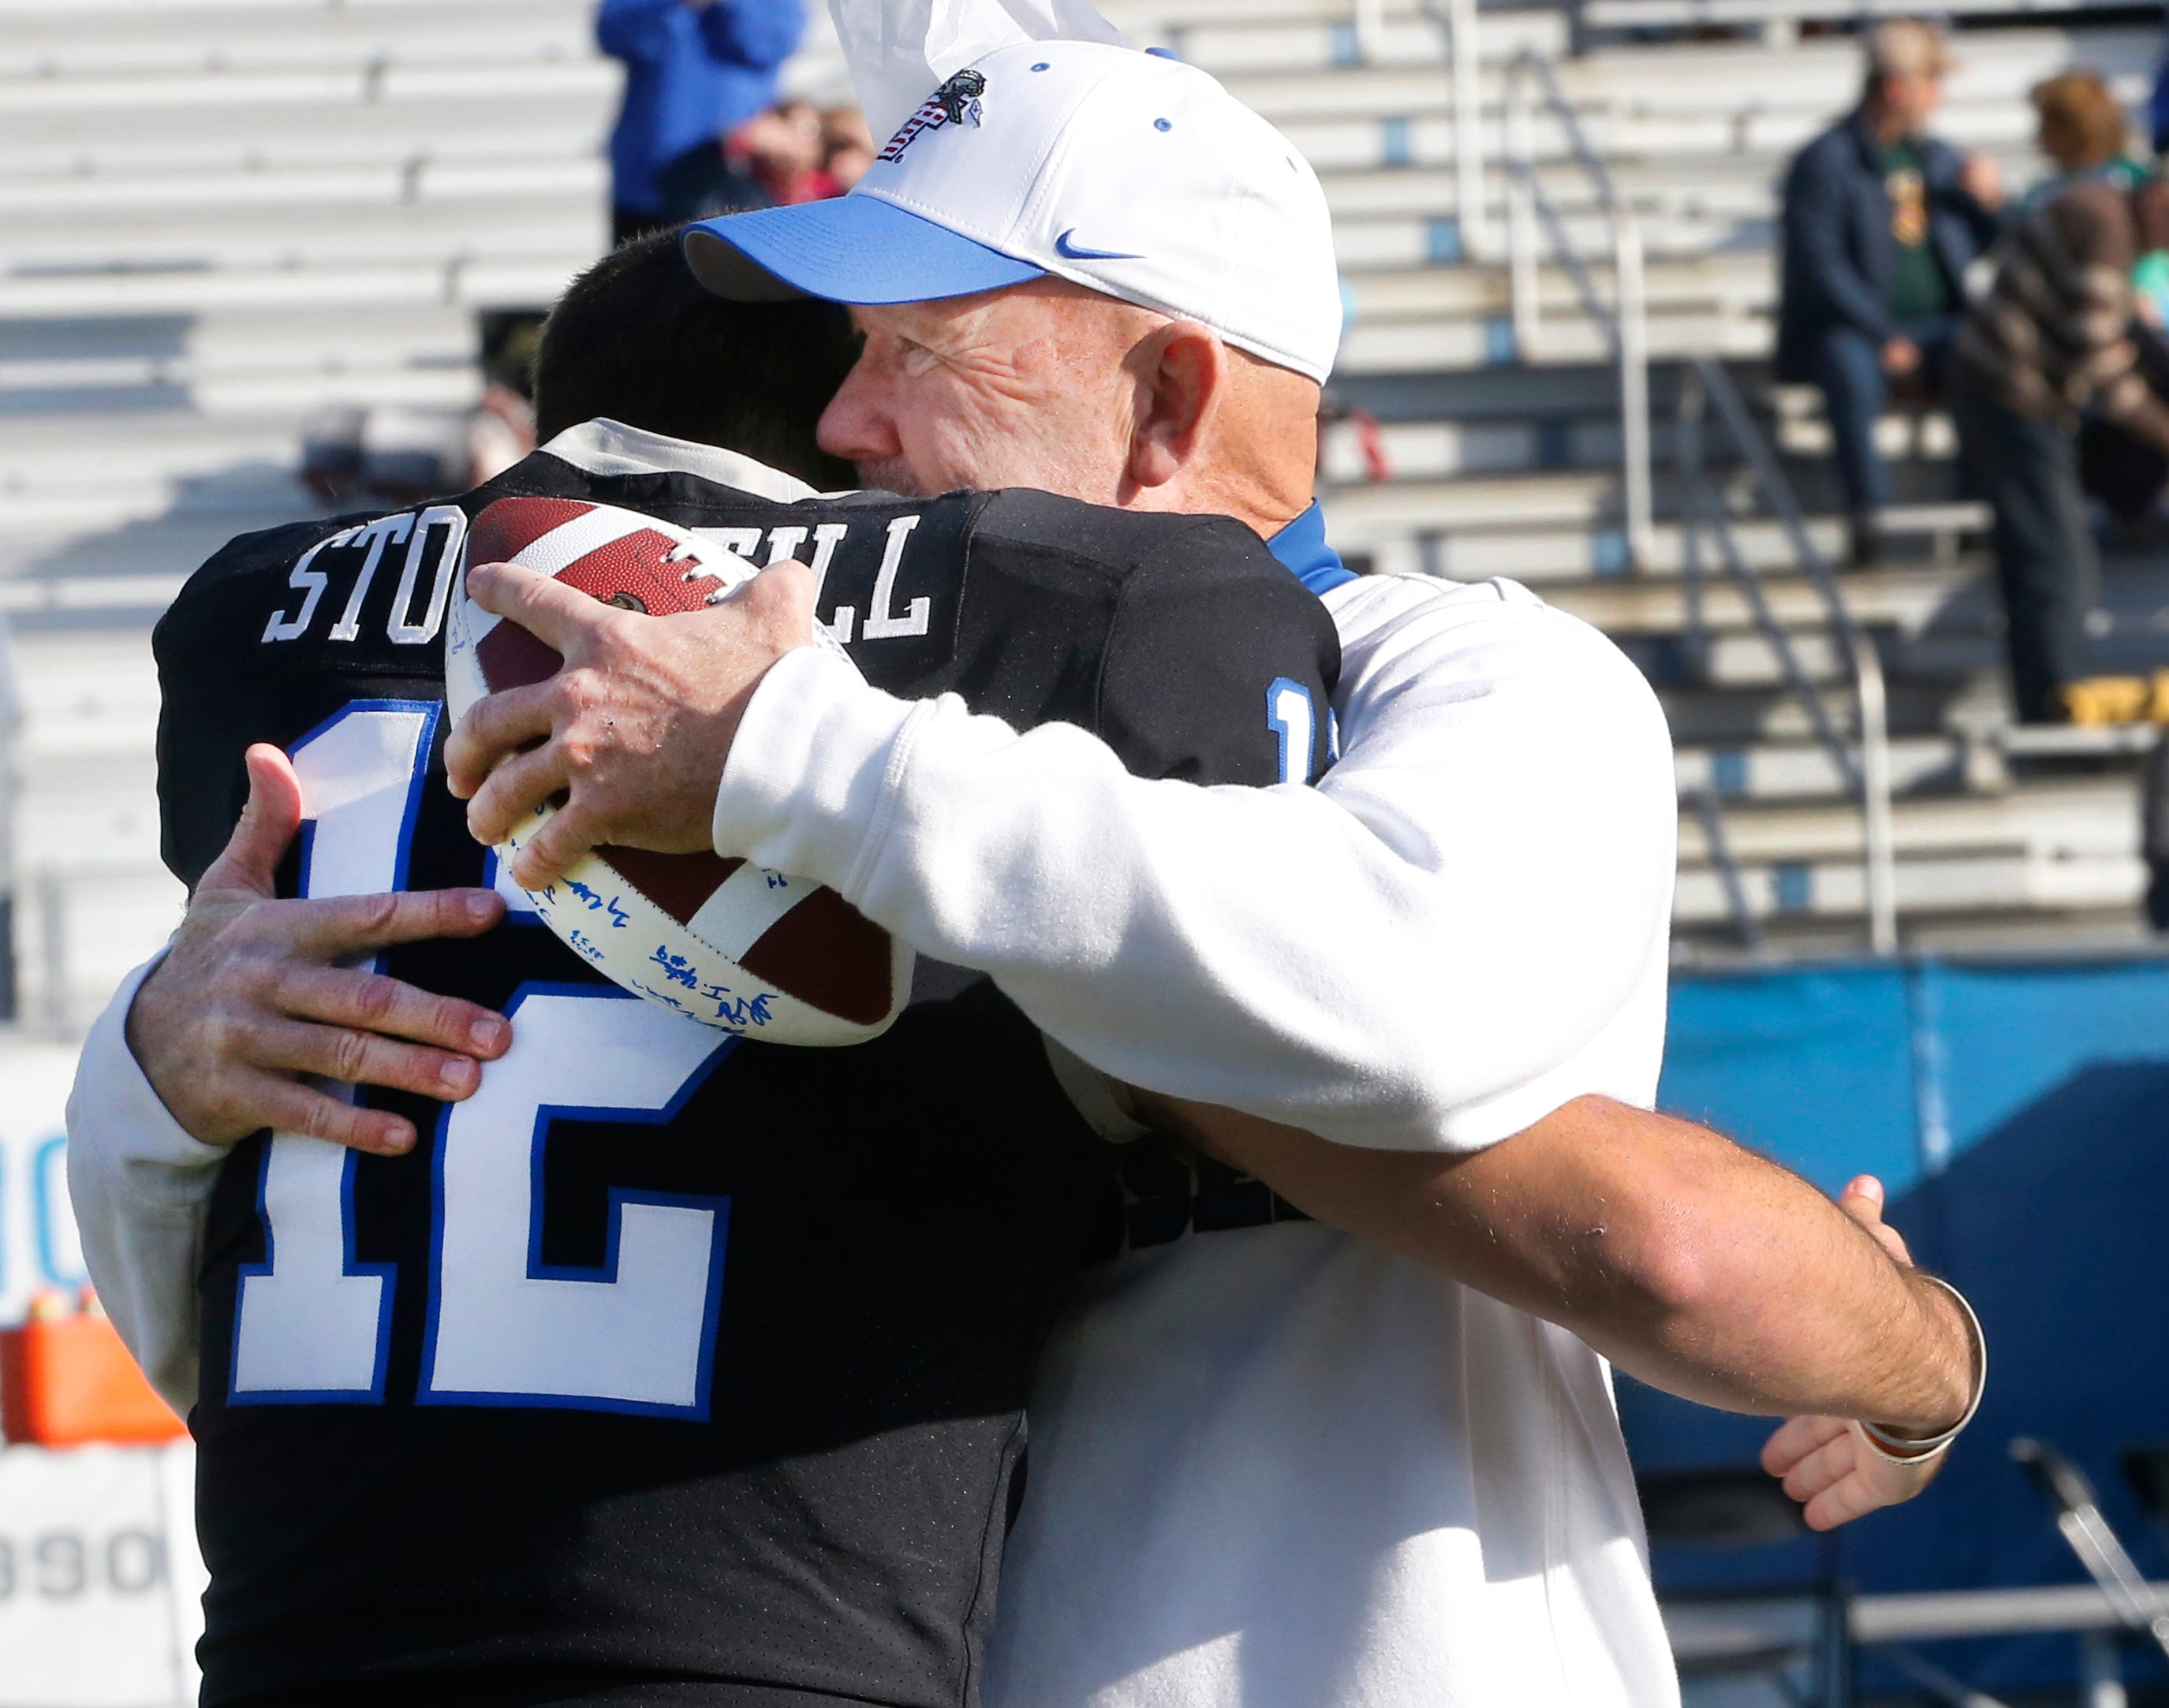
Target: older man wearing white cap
{"points": [[1272, 1464], [1016, 186]]}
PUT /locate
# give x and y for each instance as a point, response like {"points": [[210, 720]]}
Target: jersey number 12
{"points": [[313, 1324]]}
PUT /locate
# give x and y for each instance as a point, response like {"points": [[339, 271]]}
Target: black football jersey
{"points": [[671, 1367]]}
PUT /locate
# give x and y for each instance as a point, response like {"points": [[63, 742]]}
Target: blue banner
{"points": [[2019, 1116]]}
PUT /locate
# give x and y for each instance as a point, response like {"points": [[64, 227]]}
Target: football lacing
{"points": [[679, 554], [699, 571]]}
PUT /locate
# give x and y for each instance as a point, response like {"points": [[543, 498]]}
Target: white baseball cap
{"points": [[1127, 172]]}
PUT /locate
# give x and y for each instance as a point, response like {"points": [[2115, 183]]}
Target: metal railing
{"points": [[1625, 322], [1705, 385], [1530, 218], [1706, 1634], [1456, 21], [1370, 26], [1535, 224]]}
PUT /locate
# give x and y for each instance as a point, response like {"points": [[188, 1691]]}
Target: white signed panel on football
{"points": [[725, 942]]}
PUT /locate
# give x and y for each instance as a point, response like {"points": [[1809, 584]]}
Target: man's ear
{"points": [[1182, 373]]}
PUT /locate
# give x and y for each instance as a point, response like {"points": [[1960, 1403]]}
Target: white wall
{"points": [[100, 1581]]}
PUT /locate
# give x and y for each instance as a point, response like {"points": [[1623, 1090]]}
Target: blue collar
{"points": [[1300, 546]]}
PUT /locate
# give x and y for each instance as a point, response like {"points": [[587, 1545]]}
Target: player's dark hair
{"points": [[636, 338]]}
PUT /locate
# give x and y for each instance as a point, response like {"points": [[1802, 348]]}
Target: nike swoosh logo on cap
{"points": [[1077, 251]]}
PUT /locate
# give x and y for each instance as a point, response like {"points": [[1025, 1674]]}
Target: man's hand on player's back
{"points": [[253, 995]]}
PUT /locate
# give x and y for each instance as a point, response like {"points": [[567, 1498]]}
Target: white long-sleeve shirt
{"points": [[1462, 926], [1270, 1466]]}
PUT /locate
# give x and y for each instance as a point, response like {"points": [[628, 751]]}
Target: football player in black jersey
{"points": [[771, 1311]]}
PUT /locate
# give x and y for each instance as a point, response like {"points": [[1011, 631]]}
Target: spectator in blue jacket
{"points": [[695, 70], [1881, 222]]}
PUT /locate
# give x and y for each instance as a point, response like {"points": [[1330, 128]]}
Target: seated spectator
{"points": [[849, 145], [2083, 131], [1881, 222], [695, 70], [783, 151], [395, 454], [2052, 338]]}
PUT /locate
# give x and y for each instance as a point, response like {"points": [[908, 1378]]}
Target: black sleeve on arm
{"points": [[1214, 650]]}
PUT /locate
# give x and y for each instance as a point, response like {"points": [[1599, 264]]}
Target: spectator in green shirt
{"points": [[1881, 222]]}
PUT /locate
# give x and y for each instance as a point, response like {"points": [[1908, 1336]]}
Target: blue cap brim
{"points": [[855, 248]]}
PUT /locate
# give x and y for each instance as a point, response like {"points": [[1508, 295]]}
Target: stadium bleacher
{"points": [[220, 215], [218, 218], [1505, 461]]}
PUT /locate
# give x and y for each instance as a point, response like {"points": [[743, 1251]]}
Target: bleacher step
{"points": [[2053, 818], [1919, 765], [1974, 888]]}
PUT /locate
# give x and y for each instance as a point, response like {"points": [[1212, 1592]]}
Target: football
{"points": [[724, 942]]}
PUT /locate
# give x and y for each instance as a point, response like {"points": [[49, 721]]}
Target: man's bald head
{"points": [[1050, 385]]}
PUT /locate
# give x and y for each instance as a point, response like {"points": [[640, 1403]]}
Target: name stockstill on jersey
{"points": [[886, 1225]]}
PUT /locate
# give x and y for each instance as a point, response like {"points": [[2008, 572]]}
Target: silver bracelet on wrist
{"points": [[1901, 1450]]}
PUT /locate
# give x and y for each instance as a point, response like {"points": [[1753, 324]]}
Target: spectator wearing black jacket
{"points": [[1881, 222]]}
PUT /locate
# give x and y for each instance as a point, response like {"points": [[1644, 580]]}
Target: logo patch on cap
{"points": [[956, 101]]}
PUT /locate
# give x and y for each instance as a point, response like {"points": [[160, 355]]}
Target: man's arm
{"points": [[1430, 949], [1691, 1263], [1977, 196], [140, 1187]]}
